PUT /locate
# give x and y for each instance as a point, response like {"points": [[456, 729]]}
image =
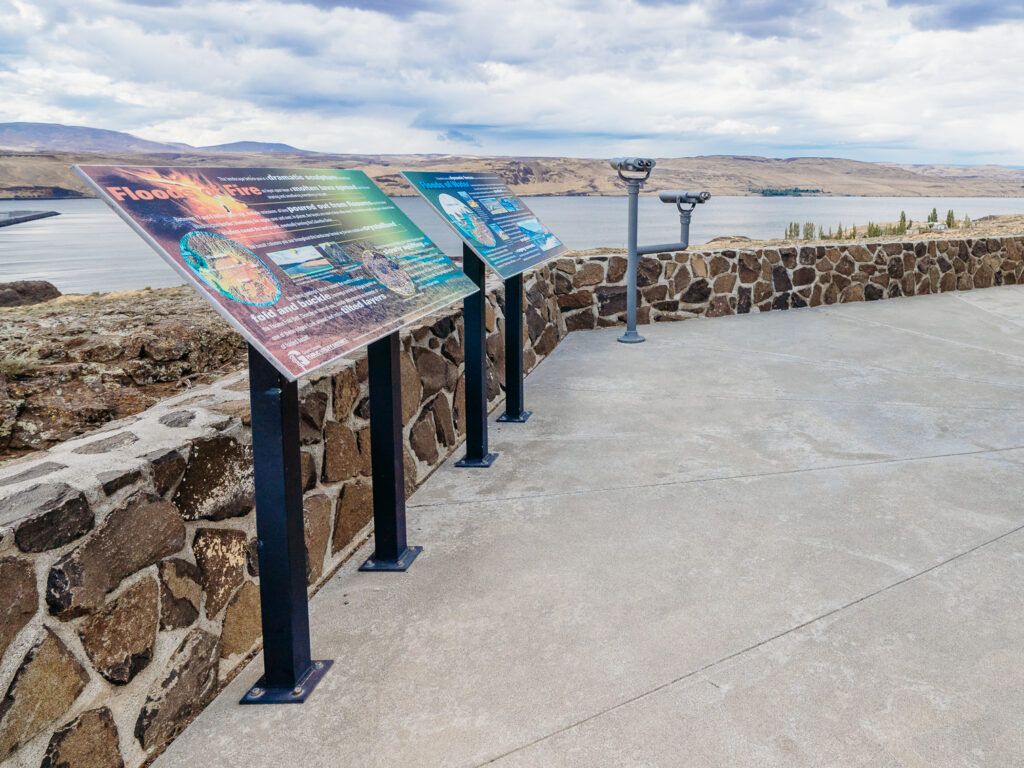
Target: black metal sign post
{"points": [[290, 675], [392, 552], [475, 343], [514, 352]]}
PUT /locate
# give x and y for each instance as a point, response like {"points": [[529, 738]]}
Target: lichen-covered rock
{"points": [[133, 537], [242, 622], [218, 480], [346, 392], [119, 638], [56, 513], [181, 593], [184, 691], [317, 526], [45, 686], [88, 741], [19, 599], [221, 555]]}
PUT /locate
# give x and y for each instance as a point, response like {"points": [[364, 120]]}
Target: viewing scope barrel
{"points": [[679, 196], [632, 164]]}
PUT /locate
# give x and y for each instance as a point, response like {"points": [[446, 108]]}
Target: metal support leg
{"points": [[514, 352], [387, 457], [631, 336], [475, 344], [289, 673]]}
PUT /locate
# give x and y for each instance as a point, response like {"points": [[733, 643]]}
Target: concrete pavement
{"points": [[792, 539]]}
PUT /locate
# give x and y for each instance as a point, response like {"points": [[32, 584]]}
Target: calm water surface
{"points": [[88, 248]]}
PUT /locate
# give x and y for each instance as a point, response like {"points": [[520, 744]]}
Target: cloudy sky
{"points": [[901, 80]]}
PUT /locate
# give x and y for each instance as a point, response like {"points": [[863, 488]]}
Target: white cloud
{"points": [[852, 78]]}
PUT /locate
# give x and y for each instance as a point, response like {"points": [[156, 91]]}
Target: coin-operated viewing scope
{"points": [[685, 202], [642, 165], [680, 198]]}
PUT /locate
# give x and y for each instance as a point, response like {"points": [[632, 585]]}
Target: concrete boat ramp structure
{"points": [[792, 539]]}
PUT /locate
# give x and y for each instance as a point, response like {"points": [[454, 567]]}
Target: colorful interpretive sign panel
{"points": [[307, 264], [490, 219]]}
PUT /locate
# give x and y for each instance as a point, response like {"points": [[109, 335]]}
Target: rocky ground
{"points": [[74, 363], [69, 365]]}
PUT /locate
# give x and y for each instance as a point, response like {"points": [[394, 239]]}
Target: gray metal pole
{"points": [[631, 336]]}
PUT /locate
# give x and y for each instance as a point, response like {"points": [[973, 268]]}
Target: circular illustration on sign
{"points": [[467, 222], [388, 273], [230, 269]]}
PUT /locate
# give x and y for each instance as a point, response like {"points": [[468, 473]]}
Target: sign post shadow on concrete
{"points": [[500, 232], [308, 265]]}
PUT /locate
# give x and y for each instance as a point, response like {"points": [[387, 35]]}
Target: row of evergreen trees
{"points": [[794, 231]]}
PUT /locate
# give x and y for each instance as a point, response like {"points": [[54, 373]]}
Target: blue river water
{"points": [[88, 248]]}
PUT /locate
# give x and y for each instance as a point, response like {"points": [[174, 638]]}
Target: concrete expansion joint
{"points": [[761, 643]]}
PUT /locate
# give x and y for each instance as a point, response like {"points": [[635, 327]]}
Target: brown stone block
{"points": [[242, 622], [88, 741], [873, 292], [568, 266], [831, 294], [643, 315], [119, 639], [183, 693], [411, 388], [57, 515], [744, 301], [218, 480], [860, 254], [365, 457], [346, 391], [611, 300], [308, 469], [341, 453], [780, 279], [580, 321], [680, 281], [221, 556], [180, 593], [803, 276], [19, 599], [616, 269], [549, 340], [698, 266], [698, 293], [45, 686], [444, 421], [749, 267], [168, 466], [724, 283], [423, 438], [131, 539], [654, 293], [648, 271], [852, 293], [576, 300], [317, 530], [984, 277], [788, 256], [762, 292], [589, 273], [719, 307], [355, 510]]}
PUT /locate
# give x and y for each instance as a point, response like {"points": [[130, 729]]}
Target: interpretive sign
{"points": [[490, 219], [307, 264]]}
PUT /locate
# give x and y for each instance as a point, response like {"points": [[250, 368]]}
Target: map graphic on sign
{"points": [[490, 219], [306, 264]]}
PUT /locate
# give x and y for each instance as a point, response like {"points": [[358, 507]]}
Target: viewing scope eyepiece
{"points": [[632, 164], [679, 196]]}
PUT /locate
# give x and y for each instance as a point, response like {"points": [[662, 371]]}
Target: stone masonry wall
{"points": [[128, 575], [675, 286], [128, 578]]}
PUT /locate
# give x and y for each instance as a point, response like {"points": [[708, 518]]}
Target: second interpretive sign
{"points": [[306, 264], [496, 224]]}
